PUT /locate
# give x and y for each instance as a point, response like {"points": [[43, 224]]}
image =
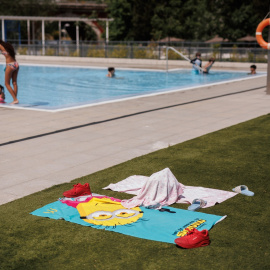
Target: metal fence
{"points": [[232, 52]]}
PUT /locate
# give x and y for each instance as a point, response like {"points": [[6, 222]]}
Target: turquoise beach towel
{"points": [[154, 225]]}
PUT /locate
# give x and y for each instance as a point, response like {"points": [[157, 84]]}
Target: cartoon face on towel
{"points": [[106, 212]]}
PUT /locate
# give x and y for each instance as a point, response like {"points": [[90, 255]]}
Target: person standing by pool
{"points": [[197, 63], [12, 69]]}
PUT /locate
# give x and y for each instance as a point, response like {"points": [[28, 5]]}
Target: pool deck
{"points": [[41, 149]]}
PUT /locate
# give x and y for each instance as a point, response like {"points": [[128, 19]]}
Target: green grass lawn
{"points": [[222, 160]]}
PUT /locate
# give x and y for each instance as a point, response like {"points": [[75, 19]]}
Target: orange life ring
{"points": [[259, 37]]}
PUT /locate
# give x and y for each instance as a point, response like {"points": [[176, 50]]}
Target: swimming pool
{"points": [[56, 87]]}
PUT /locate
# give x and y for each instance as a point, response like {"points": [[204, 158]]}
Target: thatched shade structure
{"points": [[216, 39], [171, 39], [247, 38]]}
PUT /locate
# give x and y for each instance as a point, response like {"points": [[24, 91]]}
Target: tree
{"points": [[189, 19], [24, 8], [234, 19], [167, 19], [142, 13], [156, 19], [27, 7], [198, 20], [260, 8], [121, 12]]}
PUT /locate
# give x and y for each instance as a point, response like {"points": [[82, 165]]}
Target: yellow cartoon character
{"points": [[107, 212]]}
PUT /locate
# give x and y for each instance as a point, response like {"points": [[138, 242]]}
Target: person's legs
{"points": [[14, 81], [8, 75]]}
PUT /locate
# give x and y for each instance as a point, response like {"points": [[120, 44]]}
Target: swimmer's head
{"points": [[198, 54], [253, 69], [2, 92], [212, 59], [111, 71]]}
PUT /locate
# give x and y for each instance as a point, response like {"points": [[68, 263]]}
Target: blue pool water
{"points": [[51, 87]]}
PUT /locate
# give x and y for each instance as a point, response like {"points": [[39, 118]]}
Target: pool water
{"points": [[51, 87]]}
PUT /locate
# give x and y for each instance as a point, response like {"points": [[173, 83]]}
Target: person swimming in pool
{"points": [[2, 94], [12, 69], [252, 70], [111, 72], [209, 65]]}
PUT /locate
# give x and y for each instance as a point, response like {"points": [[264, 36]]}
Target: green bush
{"points": [[22, 51], [50, 52], [139, 53], [75, 53], [261, 58], [174, 56], [145, 53], [250, 57], [96, 52], [234, 55], [119, 51]]}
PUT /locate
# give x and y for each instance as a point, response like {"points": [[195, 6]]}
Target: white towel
{"points": [[162, 188]]}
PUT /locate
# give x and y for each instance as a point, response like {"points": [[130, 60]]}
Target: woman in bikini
{"points": [[12, 69]]}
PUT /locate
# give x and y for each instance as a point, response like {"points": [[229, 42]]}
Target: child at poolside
{"points": [[111, 71], [252, 70], [12, 69], [197, 62], [2, 94], [209, 65]]}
